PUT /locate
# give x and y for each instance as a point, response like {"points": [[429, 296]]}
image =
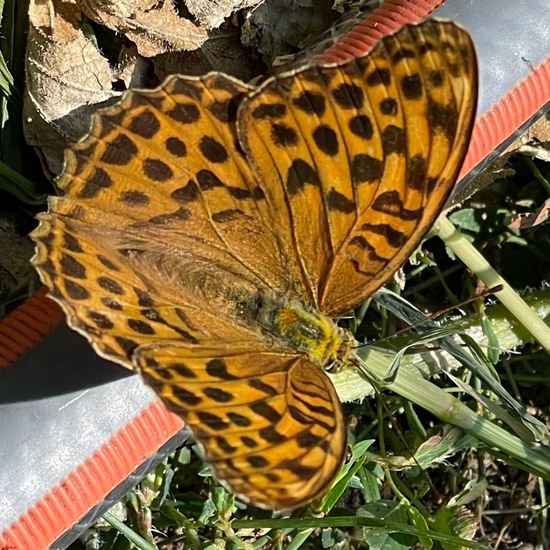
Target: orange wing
{"points": [[358, 159], [270, 423], [161, 213]]}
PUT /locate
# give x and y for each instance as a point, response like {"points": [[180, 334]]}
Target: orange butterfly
{"points": [[210, 230]]}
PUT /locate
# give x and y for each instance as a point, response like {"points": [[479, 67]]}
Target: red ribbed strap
{"points": [[89, 483], [26, 325], [508, 114], [387, 18]]}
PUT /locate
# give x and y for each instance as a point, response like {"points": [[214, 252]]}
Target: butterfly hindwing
{"points": [[270, 424]]}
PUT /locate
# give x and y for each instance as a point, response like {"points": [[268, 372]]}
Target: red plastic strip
{"points": [[508, 114], [387, 18], [65, 504], [26, 325]]}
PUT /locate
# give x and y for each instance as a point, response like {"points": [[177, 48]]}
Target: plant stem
{"points": [[479, 265]]}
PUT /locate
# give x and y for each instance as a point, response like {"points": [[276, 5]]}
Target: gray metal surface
{"points": [[511, 39], [58, 404]]}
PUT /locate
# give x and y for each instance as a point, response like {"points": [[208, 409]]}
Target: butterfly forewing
{"points": [[365, 154]]}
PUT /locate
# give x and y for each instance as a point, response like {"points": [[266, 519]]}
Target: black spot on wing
{"points": [[225, 446], [111, 303], [271, 435], [366, 169], [255, 193], [224, 110], [443, 118], [258, 384], [379, 76], [395, 238], [361, 242], [361, 126], [411, 86], [217, 368], [283, 135], [181, 369], [213, 150], [133, 197], [269, 110], [126, 344], [390, 203], [107, 263], [389, 106], [349, 96], [75, 291], [310, 103], [300, 470], [72, 267], [144, 298], [120, 151], [157, 170], [337, 201], [179, 215], [175, 146], [257, 461], [208, 180], [393, 140], [101, 321], [218, 395], [184, 113], [182, 86], [95, 183], [141, 327], [265, 410], [144, 124], [307, 440], [403, 53], [186, 194], [213, 421], [71, 242], [110, 285], [228, 215], [299, 174], [326, 139], [416, 172], [239, 419], [185, 396], [436, 78]]}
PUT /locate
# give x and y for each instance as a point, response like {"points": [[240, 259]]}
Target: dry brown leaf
{"points": [[223, 52], [68, 76], [212, 13], [527, 220], [64, 72], [281, 27], [154, 26]]}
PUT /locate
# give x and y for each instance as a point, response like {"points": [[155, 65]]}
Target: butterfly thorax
{"points": [[305, 329]]}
